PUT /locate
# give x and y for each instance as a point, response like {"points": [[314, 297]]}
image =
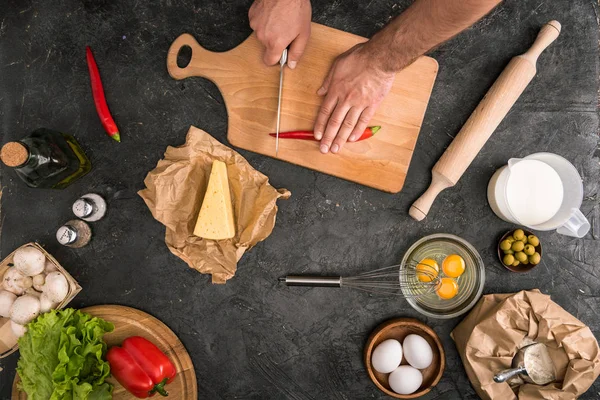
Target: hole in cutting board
{"points": [[184, 56]]}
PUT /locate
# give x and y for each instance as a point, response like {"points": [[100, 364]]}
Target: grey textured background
{"points": [[253, 338]]}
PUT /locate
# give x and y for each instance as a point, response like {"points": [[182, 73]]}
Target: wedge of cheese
{"points": [[215, 220]]}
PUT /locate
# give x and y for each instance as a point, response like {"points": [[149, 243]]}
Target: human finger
{"points": [[346, 129], [363, 123], [297, 48], [273, 51], [333, 126], [327, 107], [326, 82]]}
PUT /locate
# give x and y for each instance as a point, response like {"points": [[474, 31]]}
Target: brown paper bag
{"points": [[489, 337], [174, 193]]}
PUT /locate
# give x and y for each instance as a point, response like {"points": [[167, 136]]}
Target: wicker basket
{"points": [[8, 341]]}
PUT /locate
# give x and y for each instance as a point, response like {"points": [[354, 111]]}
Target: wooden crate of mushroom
{"points": [[32, 282]]}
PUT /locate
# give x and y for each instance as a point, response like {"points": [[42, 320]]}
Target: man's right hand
{"points": [[279, 24]]}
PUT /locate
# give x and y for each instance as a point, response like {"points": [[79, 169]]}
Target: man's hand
{"points": [[361, 77], [279, 24], [353, 90]]}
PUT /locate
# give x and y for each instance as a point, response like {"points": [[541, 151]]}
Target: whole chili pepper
{"points": [[309, 135], [140, 367], [99, 99]]}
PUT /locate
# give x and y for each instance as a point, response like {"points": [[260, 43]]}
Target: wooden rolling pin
{"points": [[484, 120]]}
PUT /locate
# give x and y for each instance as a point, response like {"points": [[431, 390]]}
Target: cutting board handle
{"points": [[198, 65]]}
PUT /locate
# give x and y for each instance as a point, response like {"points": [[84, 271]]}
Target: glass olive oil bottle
{"points": [[46, 159]]}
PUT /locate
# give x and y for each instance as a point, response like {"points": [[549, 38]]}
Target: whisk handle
{"points": [[314, 281]]}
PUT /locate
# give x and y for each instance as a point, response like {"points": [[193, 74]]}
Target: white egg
{"points": [[417, 351], [387, 356], [405, 379]]}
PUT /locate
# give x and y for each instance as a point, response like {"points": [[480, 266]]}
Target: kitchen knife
{"points": [[282, 63]]}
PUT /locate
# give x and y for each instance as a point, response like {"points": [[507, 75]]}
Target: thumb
{"points": [[297, 48], [325, 86], [272, 55]]}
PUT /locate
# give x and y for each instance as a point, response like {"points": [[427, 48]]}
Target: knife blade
{"points": [[282, 63]]}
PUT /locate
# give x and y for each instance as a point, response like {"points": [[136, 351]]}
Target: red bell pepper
{"points": [[309, 135], [99, 98], [140, 367]]}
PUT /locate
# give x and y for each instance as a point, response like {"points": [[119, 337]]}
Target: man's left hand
{"points": [[353, 90]]}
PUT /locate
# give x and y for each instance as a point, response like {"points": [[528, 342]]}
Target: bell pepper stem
{"points": [[160, 388]]}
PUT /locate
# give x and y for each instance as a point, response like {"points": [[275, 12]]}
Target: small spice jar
{"points": [[74, 233], [90, 207]]}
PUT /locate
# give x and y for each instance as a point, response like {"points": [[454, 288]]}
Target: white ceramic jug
{"points": [[546, 199]]}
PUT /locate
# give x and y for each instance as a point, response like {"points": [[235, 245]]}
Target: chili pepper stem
{"points": [[117, 137], [375, 129], [160, 388]]}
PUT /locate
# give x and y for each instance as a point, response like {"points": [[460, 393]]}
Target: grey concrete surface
{"points": [[253, 338]]}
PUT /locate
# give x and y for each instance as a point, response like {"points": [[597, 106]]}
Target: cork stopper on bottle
{"points": [[14, 154]]}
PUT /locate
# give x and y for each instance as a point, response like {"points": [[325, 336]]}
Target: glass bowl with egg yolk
{"points": [[460, 269]]}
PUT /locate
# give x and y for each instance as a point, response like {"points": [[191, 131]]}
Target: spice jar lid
{"points": [[83, 208], [14, 154], [66, 235]]}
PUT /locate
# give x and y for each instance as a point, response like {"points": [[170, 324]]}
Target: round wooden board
{"points": [[131, 322]]}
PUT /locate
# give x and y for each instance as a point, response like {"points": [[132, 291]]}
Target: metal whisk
{"points": [[401, 280]]}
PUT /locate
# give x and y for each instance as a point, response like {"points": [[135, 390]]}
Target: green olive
{"points": [[509, 252], [529, 249], [516, 263], [533, 240], [510, 239], [535, 258], [519, 234], [505, 245], [517, 246], [525, 261], [508, 259], [521, 256]]}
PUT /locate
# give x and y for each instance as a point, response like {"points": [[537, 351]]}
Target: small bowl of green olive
{"points": [[520, 250]]}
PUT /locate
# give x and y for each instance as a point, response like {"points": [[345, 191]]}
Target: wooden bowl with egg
{"points": [[399, 329]]}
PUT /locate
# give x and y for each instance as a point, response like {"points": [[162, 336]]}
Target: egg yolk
{"points": [[448, 288], [427, 270], [453, 266]]}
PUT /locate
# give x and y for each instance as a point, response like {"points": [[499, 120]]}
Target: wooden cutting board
{"points": [[131, 322], [250, 91]]}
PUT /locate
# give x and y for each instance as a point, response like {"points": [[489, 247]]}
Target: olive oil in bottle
{"points": [[46, 159]]}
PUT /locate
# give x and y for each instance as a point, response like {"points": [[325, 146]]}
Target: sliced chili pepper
{"points": [[99, 98], [140, 367], [309, 135]]}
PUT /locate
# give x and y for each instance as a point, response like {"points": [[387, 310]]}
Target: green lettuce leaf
{"points": [[62, 357]]}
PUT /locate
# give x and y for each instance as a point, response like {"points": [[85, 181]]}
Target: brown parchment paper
{"points": [[490, 336], [174, 193]]}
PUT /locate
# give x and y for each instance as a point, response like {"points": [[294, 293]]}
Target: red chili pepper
{"points": [[140, 367], [309, 135], [99, 99]]}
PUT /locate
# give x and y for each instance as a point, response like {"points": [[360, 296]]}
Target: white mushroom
{"points": [[56, 286], [18, 330], [15, 282], [50, 267], [38, 282], [46, 304], [29, 261], [6, 301], [25, 309]]}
